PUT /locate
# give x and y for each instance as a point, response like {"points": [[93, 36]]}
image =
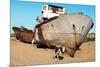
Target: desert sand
{"points": [[26, 54]]}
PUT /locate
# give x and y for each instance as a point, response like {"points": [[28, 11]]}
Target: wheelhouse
{"points": [[49, 11]]}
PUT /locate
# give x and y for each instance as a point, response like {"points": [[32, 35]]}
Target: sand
{"points": [[26, 54]]}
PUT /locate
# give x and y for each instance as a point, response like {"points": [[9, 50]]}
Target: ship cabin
{"points": [[49, 11]]}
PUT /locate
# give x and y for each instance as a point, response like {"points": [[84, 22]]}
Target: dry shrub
{"points": [[87, 39]]}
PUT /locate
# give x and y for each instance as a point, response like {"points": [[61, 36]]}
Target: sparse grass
{"points": [[13, 35], [87, 39]]}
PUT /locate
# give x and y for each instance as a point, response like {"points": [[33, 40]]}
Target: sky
{"points": [[24, 13]]}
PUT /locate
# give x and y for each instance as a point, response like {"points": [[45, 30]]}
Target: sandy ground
{"points": [[25, 54]]}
